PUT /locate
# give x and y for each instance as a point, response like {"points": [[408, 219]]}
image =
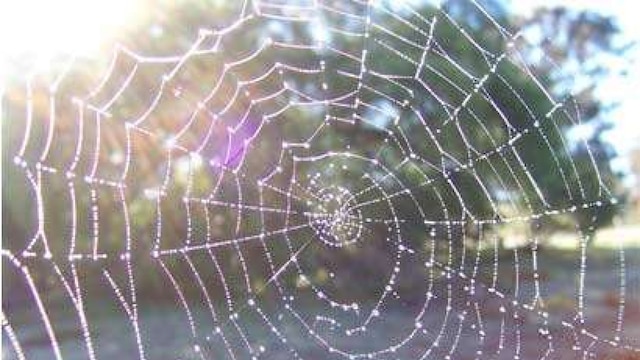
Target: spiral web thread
{"points": [[298, 200]]}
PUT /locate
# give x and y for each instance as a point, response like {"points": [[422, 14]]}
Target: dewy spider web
{"points": [[265, 210]]}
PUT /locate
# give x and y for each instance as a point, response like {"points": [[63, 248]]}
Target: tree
{"points": [[483, 139], [578, 43]]}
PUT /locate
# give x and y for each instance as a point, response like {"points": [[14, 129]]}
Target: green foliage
{"points": [[488, 114]]}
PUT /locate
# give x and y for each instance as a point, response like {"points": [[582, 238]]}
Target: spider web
{"points": [[276, 169]]}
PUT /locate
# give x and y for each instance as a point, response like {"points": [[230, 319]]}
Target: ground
{"points": [[172, 339]]}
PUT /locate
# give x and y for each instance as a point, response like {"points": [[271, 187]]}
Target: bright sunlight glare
{"points": [[35, 31]]}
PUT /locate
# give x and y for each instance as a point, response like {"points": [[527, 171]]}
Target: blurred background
{"points": [[75, 71]]}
